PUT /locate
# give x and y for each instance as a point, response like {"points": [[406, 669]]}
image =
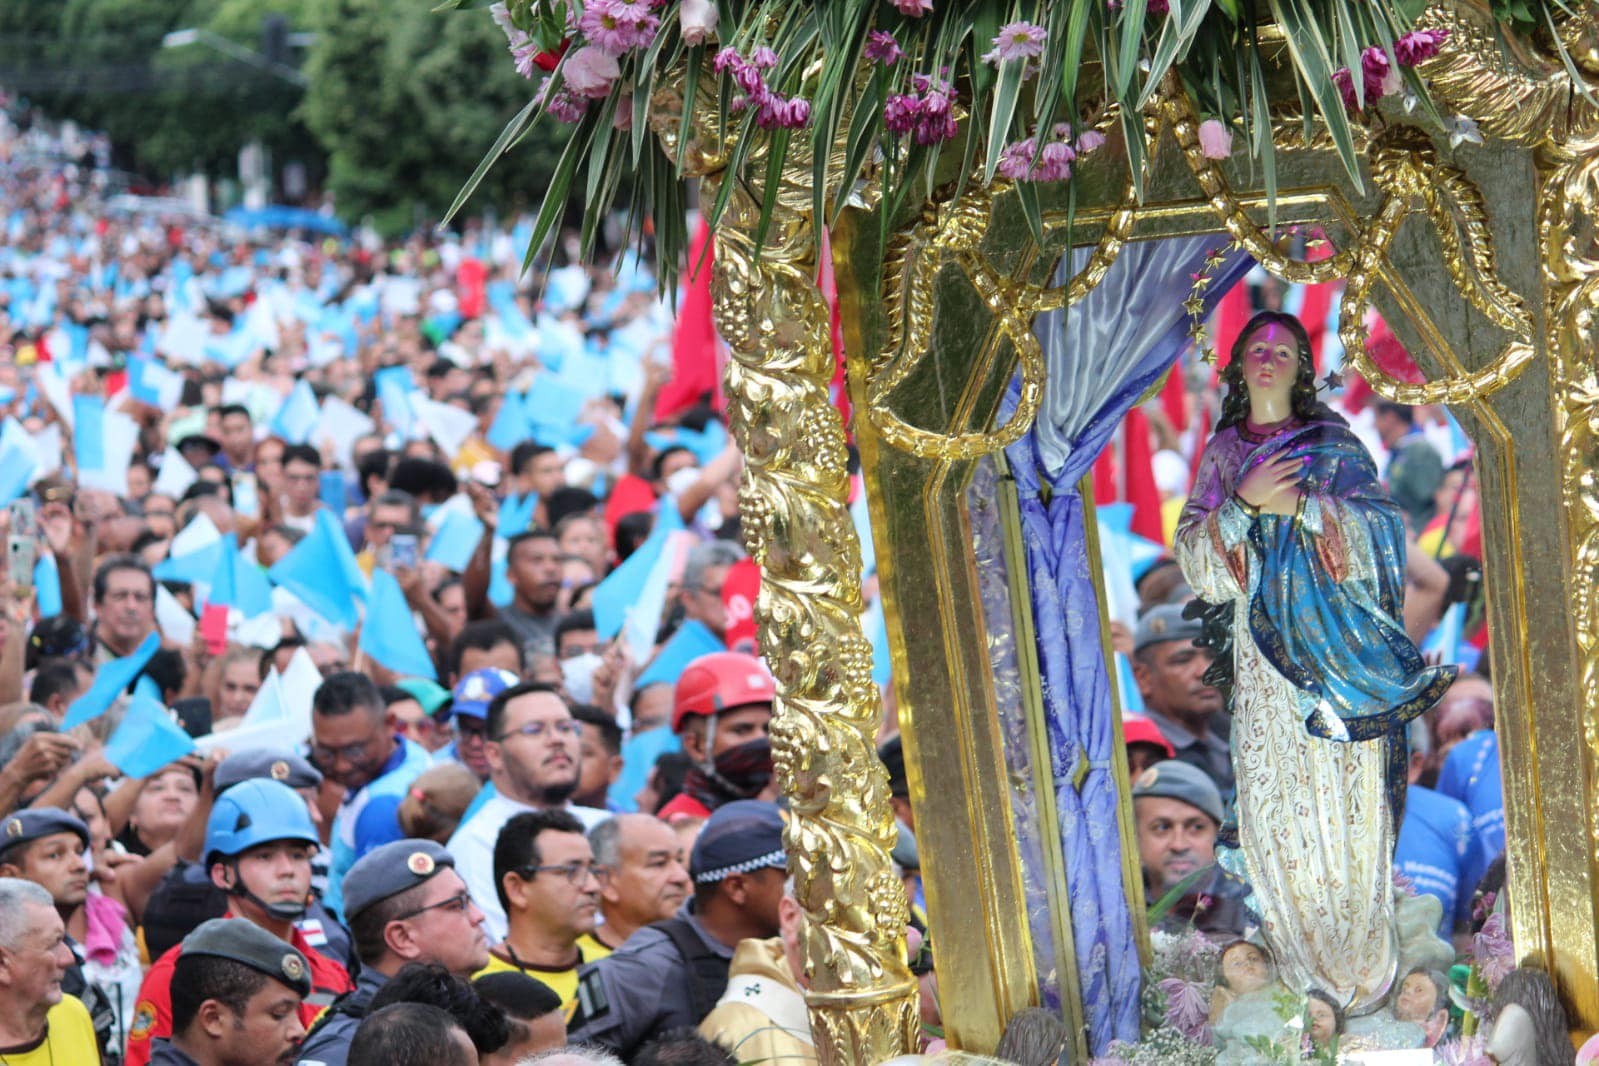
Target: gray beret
{"points": [[244, 942], [282, 766], [26, 826], [1163, 623], [389, 870], [1180, 781]]}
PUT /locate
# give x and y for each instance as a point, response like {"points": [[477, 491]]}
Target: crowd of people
{"points": [[518, 807]]}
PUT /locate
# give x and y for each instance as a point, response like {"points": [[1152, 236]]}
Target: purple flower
{"points": [[777, 113], [1215, 139], [763, 58], [1418, 46], [1467, 1051], [1346, 88], [726, 59], [524, 54], [1493, 952], [937, 122], [1016, 161], [1157, 7], [1017, 40], [564, 106], [1055, 161], [901, 113], [697, 20], [914, 9], [1186, 1009], [882, 48], [1089, 141], [1377, 74], [591, 71]]}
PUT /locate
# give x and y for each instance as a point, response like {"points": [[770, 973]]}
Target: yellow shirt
{"points": [[589, 946], [68, 1038], [562, 982]]}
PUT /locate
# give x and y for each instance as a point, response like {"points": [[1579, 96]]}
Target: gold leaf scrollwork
{"points": [[793, 504], [1406, 167]]}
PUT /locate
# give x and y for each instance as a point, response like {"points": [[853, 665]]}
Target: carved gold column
{"points": [[794, 507]]}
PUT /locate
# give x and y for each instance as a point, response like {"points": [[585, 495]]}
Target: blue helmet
{"points": [[255, 812]]}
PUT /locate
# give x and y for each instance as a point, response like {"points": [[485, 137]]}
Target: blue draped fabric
{"points": [[1102, 355]]}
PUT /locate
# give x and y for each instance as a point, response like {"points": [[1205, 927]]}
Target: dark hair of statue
{"points": [[1302, 400]]}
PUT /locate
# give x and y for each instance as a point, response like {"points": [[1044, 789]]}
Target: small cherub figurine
{"points": [[1242, 968], [1326, 1018], [1528, 1024], [1422, 998]]}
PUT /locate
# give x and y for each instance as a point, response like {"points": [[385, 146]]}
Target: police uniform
{"points": [[36, 823], [382, 872], [244, 943], [669, 975]]}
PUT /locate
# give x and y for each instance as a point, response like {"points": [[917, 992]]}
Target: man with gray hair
{"points": [[572, 1056], [704, 573], [643, 876], [39, 1024]]}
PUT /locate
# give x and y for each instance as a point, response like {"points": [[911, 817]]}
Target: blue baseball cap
{"points": [[474, 692]]}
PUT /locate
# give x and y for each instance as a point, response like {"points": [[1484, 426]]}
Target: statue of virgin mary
{"points": [[1289, 525]]}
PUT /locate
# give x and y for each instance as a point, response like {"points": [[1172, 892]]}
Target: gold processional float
{"points": [[1463, 205]]}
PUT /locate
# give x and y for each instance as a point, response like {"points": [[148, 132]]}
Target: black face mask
{"points": [[746, 769]]}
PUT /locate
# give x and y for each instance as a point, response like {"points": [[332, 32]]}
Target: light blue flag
{"points": [[1127, 685], [191, 567], [110, 681], [455, 540], [299, 415], [510, 426], [237, 582], [875, 623], [88, 432], [516, 515], [146, 688], [691, 640], [147, 739], [152, 383], [224, 576], [319, 571], [47, 586], [394, 384], [16, 467], [389, 634], [552, 403], [500, 591], [622, 587]]}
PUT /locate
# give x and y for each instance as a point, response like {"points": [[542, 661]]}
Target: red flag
{"points": [[470, 281], [694, 371], [1231, 314], [1139, 477], [1107, 476], [739, 590], [214, 628], [631, 494], [1174, 398]]}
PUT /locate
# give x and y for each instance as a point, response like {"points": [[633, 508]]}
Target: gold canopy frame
{"points": [[1485, 259]]}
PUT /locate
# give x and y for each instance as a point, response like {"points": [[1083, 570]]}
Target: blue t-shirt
{"points": [[1434, 841], [1471, 775]]}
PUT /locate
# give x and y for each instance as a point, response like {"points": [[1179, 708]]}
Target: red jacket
{"points": [[153, 1015]]}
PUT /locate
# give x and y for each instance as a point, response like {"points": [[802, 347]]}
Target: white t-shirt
{"points": [[472, 847]]}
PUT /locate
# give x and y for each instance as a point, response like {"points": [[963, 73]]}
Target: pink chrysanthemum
{"points": [[1418, 46], [604, 27], [901, 113], [1017, 40], [913, 8]]}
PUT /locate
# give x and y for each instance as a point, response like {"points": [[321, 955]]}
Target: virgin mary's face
{"points": [[1271, 361]]}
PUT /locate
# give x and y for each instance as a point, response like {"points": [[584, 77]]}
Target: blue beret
{"points": [[33, 823], [389, 870], [284, 766], [244, 942], [739, 837]]}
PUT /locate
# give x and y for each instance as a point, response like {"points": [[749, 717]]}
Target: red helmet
{"points": [[719, 682]]}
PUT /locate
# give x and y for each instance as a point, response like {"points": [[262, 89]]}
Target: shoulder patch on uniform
{"points": [[143, 1021], [590, 1001]]}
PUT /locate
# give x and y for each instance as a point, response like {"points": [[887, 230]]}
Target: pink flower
{"points": [[763, 58], [1054, 161], [882, 48], [1377, 74], [1157, 7], [914, 9], [725, 60], [1089, 141], [697, 20], [591, 71], [901, 113], [777, 113], [564, 106], [1017, 40], [502, 18], [1215, 139], [604, 28], [525, 54], [1346, 88], [1016, 161], [1466, 1051], [1418, 46], [937, 120]]}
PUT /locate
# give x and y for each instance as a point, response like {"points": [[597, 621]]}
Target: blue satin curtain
{"points": [[1102, 355]]}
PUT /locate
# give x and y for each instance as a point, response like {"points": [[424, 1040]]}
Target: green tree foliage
{"points": [[404, 99]]}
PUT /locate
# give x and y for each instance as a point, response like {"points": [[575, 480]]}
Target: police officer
{"points": [[670, 974], [236, 994], [258, 845], [186, 897], [406, 904]]}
